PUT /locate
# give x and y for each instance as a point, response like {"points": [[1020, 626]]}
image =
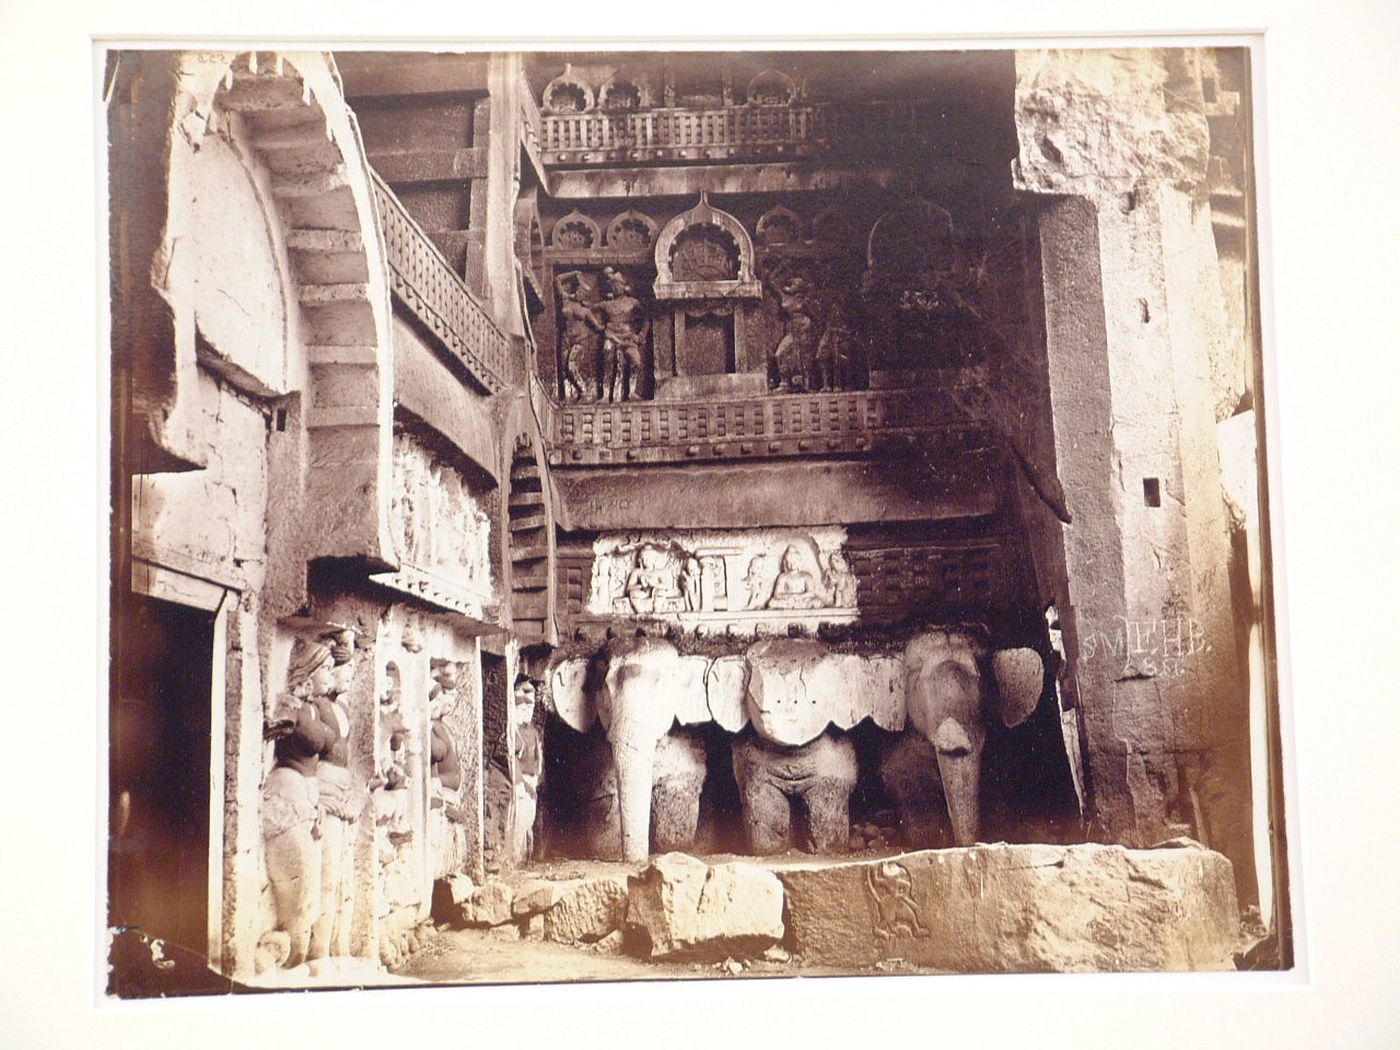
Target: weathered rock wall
{"points": [[1118, 143]]}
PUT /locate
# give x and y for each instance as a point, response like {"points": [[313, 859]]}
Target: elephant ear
{"points": [[1020, 676], [572, 701]]}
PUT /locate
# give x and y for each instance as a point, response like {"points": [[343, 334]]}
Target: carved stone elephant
{"points": [[953, 688], [640, 688], [678, 776], [798, 696]]}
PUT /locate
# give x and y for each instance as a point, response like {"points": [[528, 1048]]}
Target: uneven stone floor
{"points": [[477, 956]]}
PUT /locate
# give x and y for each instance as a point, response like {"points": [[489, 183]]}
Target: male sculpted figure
{"points": [[624, 329]]}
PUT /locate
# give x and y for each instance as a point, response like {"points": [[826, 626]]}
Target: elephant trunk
{"points": [[960, 769], [635, 761]]}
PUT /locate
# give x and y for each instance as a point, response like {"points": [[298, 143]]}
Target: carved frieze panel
{"points": [[441, 533], [732, 581]]}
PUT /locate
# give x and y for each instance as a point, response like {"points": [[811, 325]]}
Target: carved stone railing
{"points": [[751, 428], [730, 132], [425, 282], [530, 124]]}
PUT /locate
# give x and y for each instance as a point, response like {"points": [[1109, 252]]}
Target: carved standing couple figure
{"points": [[619, 318]]}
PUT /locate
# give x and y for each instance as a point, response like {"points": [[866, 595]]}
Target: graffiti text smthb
{"points": [[1155, 648]]}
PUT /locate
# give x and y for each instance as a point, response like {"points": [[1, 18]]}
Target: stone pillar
{"points": [[1117, 144]]}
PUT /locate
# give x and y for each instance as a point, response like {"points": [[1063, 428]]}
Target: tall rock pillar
{"points": [[1116, 146]]}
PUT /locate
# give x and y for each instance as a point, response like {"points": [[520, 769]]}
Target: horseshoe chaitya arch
{"points": [[743, 285]]}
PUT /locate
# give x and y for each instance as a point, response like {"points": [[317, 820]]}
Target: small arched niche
{"points": [[566, 94], [575, 232]]}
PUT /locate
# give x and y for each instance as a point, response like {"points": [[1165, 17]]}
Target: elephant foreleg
{"points": [[767, 817], [828, 815]]}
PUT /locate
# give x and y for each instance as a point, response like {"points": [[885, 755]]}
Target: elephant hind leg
{"points": [[675, 812]]}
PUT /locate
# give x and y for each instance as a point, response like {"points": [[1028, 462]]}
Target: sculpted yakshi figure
{"points": [[303, 729], [342, 799], [624, 329], [579, 337], [446, 769]]}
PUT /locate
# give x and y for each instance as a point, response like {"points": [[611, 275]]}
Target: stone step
{"points": [[314, 240], [314, 185], [328, 294], [257, 94]]}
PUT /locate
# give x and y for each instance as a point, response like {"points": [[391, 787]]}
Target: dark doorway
{"points": [[158, 861]]}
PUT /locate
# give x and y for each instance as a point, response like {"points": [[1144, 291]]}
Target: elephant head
{"points": [[639, 688], [950, 701]]}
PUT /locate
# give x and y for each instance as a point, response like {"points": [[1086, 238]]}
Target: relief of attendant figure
{"points": [[290, 812], [446, 769], [841, 581], [579, 339], [343, 797]]}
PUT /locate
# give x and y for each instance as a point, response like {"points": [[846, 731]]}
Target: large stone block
{"points": [[588, 910], [684, 908], [1008, 909]]}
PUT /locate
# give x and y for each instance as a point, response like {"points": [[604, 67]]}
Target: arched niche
{"points": [[621, 93], [566, 94], [836, 225], [779, 225], [705, 253], [914, 236], [575, 232], [632, 231], [772, 87]]}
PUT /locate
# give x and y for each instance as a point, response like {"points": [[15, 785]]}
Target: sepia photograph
{"points": [[595, 515], [603, 515], [700, 526]]}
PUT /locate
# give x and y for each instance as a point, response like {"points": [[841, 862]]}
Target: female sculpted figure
{"points": [[290, 812], [342, 799], [796, 588], [795, 356], [581, 325]]}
